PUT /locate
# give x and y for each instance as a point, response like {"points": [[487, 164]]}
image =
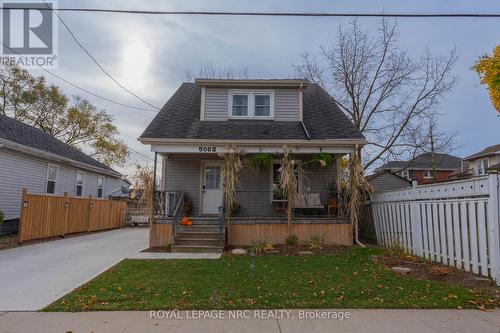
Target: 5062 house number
{"points": [[207, 149]]}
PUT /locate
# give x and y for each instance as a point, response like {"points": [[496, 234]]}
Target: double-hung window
{"points": [[80, 179], [428, 174], [251, 104], [100, 186], [482, 166], [262, 105], [52, 173], [405, 174]]}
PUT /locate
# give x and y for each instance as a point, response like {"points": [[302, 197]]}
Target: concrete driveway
{"points": [[34, 276]]}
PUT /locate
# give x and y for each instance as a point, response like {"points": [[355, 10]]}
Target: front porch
{"points": [[192, 186]]}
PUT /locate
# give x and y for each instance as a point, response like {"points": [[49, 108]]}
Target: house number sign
{"points": [[207, 149]]}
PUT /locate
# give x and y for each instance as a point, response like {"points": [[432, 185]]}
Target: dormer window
{"points": [[251, 104], [240, 106]]}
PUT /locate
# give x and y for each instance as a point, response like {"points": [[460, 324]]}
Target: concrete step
{"points": [[198, 234], [197, 241], [196, 249], [198, 228], [204, 220]]}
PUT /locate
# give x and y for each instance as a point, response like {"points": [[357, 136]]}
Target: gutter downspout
{"points": [[305, 130]]}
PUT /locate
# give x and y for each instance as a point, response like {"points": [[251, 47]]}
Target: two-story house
{"points": [[480, 162], [425, 168], [205, 118]]}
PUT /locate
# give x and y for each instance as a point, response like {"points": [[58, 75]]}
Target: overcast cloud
{"points": [[151, 54]]}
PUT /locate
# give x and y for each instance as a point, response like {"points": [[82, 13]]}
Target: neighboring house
{"points": [[424, 168], [480, 162], [203, 119], [494, 168], [35, 160], [387, 181]]}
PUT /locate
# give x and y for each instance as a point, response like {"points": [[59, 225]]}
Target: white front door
{"points": [[211, 187]]}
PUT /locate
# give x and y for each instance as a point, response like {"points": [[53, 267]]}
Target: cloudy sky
{"points": [[150, 55]]}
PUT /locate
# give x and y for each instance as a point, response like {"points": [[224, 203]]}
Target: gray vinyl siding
{"points": [[182, 173], [18, 171], [216, 104], [319, 178], [286, 104], [387, 182]]}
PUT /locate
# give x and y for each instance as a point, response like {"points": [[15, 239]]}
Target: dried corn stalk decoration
{"points": [[357, 187], [231, 172], [288, 182], [143, 177]]}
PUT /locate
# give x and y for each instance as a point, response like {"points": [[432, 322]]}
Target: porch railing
{"points": [[273, 204], [177, 214]]}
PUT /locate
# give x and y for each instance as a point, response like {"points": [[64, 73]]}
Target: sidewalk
{"points": [[372, 321]]}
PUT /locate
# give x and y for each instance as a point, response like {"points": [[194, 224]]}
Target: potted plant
{"points": [[261, 161]]}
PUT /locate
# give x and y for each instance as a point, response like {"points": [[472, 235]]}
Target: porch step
{"points": [[198, 228], [204, 220], [197, 241], [196, 248], [198, 234]]}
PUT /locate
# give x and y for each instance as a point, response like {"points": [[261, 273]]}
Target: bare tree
{"points": [[210, 71], [390, 96]]}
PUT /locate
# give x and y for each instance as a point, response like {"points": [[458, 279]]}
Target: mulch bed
{"points": [[427, 270], [286, 250], [8, 242]]}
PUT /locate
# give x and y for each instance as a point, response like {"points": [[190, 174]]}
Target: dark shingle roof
{"points": [[26, 135], [424, 161], [485, 152], [180, 119]]}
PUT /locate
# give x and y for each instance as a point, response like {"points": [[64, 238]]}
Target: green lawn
{"points": [[346, 280]]}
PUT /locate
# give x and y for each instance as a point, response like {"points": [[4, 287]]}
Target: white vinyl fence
{"points": [[456, 223]]}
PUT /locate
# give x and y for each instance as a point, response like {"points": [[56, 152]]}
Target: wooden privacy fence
{"points": [[44, 216], [455, 223]]}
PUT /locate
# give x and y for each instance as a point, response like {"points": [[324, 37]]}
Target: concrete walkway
{"points": [[34, 276], [169, 256], [372, 321]]}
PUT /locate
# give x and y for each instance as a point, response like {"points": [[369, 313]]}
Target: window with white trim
{"points": [[405, 174], [100, 186], [52, 173], [240, 105], [482, 166], [251, 104], [262, 105], [428, 174], [80, 179]]}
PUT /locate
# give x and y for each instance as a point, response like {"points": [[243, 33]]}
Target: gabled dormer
{"points": [[279, 100]]}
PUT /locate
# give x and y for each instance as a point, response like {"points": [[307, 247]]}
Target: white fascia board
{"points": [[272, 149]]}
